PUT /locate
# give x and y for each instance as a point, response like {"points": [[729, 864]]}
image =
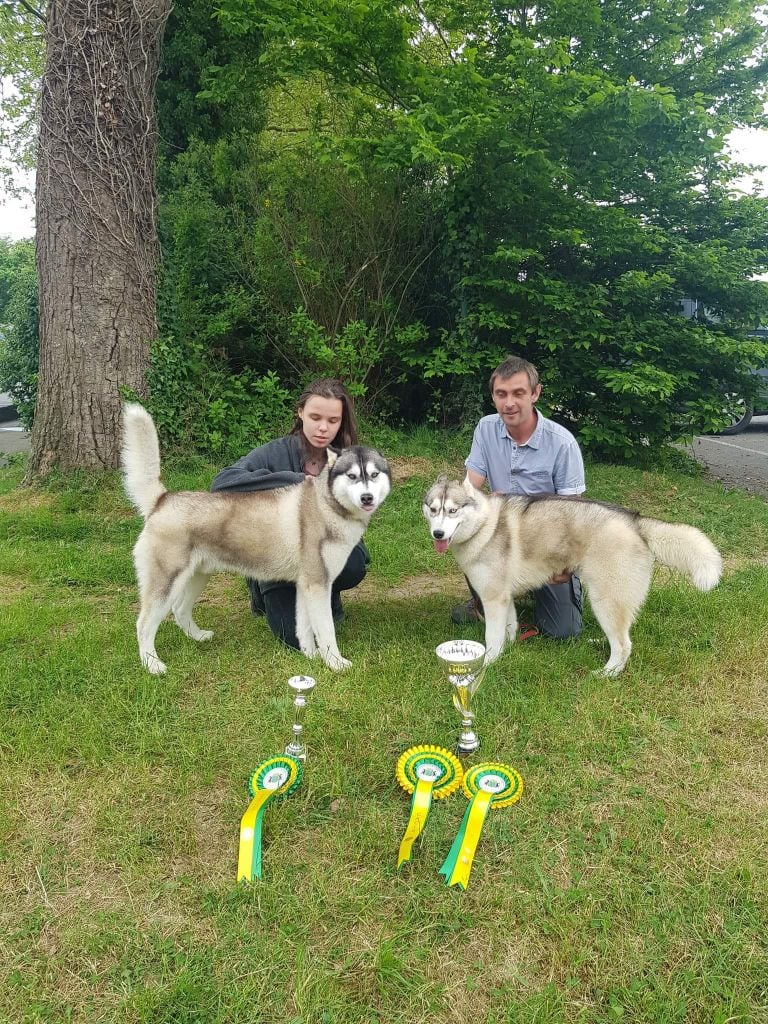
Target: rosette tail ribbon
{"points": [[249, 856], [426, 772], [458, 864], [275, 777], [486, 785], [420, 805]]}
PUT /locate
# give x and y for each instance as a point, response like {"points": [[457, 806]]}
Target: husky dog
{"points": [[303, 534], [507, 545]]}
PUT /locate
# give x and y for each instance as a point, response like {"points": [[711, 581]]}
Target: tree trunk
{"points": [[96, 230]]}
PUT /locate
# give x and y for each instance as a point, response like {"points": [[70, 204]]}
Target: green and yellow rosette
{"points": [[277, 776], [486, 785], [426, 772]]}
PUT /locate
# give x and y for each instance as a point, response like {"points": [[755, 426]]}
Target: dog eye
{"points": [[372, 476], [452, 511], [352, 476]]}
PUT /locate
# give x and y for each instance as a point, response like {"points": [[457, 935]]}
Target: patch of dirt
{"points": [[12, 588], [734, 562], [403, 469], [223, 589], [58, 835], [411, 586], [24, 498]]}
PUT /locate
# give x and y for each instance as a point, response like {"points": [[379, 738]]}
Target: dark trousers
{"points": [[557, 608], [277, 599]]}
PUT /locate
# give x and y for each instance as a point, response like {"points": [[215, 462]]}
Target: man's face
{"points": [[514, 399]]}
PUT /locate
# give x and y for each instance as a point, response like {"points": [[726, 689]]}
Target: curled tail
{"points": [[683, 548], [140, 458]]}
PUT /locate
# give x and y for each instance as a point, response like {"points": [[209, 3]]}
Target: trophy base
{"points": [[297, 751], [467, 744]]}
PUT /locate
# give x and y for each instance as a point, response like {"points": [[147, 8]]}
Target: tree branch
{"points": [[438, 30], [28, 8]]}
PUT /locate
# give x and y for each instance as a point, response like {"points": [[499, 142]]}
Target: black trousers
{"points": [[557, 608], [277, 599]]}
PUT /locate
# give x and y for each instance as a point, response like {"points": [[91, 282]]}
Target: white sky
{"points": [[17, 215]]}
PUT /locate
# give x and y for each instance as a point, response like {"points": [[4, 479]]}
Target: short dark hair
{"points": [[511, 366], [330, 387]]}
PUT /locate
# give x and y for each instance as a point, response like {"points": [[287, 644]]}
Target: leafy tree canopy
{"points": [[576, 155], [21, 66]]}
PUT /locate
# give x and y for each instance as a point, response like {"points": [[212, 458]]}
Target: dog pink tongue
{"points": [[441, 546]]}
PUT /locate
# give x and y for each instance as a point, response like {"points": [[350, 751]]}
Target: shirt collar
{"points": [[534, 441]]}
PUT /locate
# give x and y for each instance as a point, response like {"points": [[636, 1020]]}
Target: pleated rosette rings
{"points": [[427, 772], [487, 785], [276, 777]]}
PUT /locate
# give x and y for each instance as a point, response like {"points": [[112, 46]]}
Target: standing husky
{"points": [[509, 545], [303, 534]]}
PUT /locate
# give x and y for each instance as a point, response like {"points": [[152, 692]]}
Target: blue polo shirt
{"points": [[549, 462]]}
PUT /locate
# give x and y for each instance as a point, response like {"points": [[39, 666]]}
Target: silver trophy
{"points": [[301, 686], [464, 662]]}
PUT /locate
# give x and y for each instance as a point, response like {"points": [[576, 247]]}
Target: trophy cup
{"points": [[464, 662], [301, 686]]}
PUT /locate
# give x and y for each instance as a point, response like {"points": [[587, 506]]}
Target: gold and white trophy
{"points": [[463, 660]]}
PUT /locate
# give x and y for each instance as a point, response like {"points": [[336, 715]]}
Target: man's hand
{"points": [[561, 577]]}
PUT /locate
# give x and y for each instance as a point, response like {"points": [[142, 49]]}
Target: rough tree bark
{"points": [[96, 230]]}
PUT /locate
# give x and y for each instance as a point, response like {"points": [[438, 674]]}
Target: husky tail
{"points": [[683, 548], [141, 459]]}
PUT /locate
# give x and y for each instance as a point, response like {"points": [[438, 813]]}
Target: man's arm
{"points": [[476, 479], [568, 471]]}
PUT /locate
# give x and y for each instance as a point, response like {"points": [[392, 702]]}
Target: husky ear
{"points": [[331, 457], [441, 480], [469, 487]]}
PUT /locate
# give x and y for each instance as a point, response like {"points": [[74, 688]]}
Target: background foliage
{"points": [[18, 326], [402, 195]]}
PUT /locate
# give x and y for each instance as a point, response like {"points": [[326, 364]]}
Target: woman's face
{"points": [[320, 420]]}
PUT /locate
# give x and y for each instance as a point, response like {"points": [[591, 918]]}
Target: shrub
{"points": [[18, 330]]}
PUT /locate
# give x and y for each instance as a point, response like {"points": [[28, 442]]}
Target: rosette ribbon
{"points": [[275, 777], [426, 772], [486, 785]]}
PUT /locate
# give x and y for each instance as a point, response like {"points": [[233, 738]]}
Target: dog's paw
{"points": [[204, 634], [337, 663], [490, 657], [153, 664], [608, 671]]}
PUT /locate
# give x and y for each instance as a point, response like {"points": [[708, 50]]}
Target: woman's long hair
{"points": [[329, 387]]}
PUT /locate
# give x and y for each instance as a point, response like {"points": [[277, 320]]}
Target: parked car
{"points": [[7, 408], [757, 406]]}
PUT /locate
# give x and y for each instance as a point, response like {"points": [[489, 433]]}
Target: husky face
{"points": [[359, 480], [450, 509]]}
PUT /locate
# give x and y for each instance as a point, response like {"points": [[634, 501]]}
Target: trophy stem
{"points": [[301, 685], [469, 741]]}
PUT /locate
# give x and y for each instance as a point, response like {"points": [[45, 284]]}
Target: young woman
{"points": [[325, 417]]}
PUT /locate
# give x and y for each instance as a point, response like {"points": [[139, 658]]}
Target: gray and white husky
{"points": [[303, 534], [507, 545]]}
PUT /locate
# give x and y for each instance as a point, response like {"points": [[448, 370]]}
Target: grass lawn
{"points": [[628, 884]]}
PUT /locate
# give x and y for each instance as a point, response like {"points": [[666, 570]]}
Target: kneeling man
{"points": [[519, 451]]}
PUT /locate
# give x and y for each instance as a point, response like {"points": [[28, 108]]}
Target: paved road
{"points": [[740, 460], [13, 438]]}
